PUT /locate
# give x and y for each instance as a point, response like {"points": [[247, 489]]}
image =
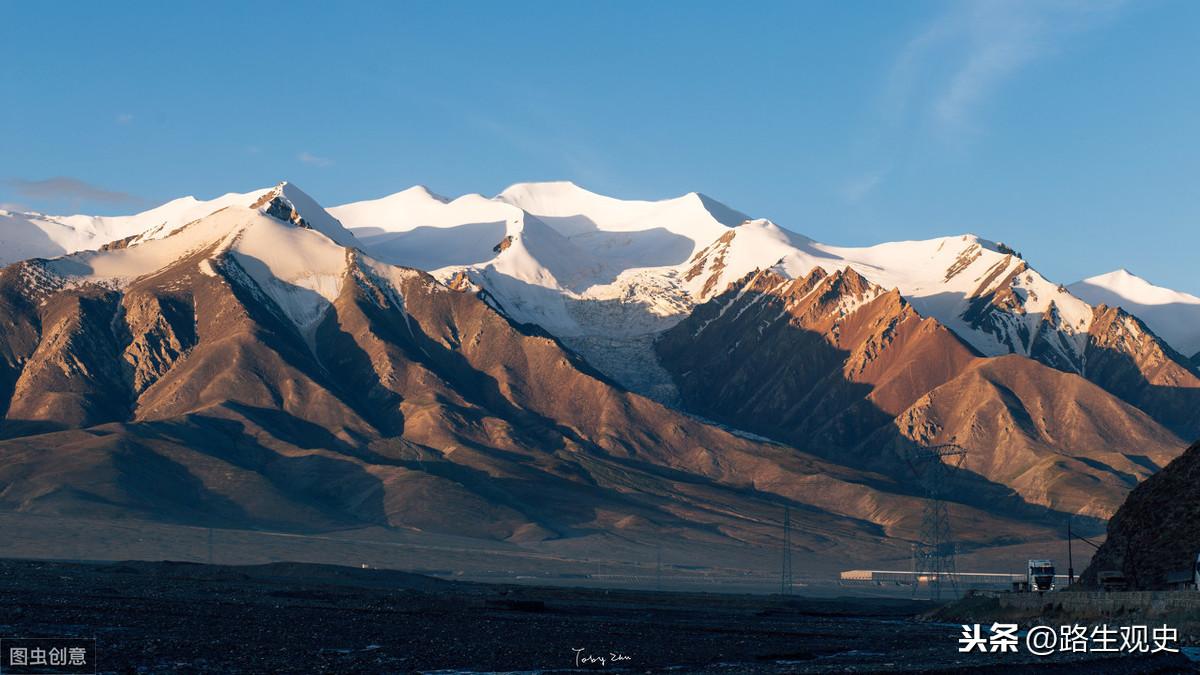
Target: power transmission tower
{"points": [[933, 555], [785, 572]]}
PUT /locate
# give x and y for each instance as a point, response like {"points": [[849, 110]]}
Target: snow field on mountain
{"points": [[1173, 316], [581, 264]]}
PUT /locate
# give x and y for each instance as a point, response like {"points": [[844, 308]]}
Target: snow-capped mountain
{"points": [[547, 251], [602, 274], [833, 362], [36, 235], [301, 283], [981, 290], [249, 370], [1172, 315], [265, 364], [607, 275]]}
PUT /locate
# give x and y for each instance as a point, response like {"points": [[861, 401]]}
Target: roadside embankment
{"points": [[1177, 608]]}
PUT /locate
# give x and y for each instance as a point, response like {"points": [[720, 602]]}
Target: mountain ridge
{"points": [[834, 363], [179, 379], [608, 275], [1173, 315]]}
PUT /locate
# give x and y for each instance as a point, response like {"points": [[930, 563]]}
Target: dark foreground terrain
{"points": [[285, 617]]}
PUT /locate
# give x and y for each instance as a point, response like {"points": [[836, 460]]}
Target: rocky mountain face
{"points": [[607, 276], [838, 366], [267, 363], [800, 359], [1124, 357], [248, 371], [1157, 530]]}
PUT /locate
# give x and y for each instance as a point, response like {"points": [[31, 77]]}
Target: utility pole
{"points": [[210, 546], [1070, 556], [785, 573]]}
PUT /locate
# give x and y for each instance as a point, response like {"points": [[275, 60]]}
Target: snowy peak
{"points": [[417, 228], [723, 214], [573, 210], [584, 264], [549, 253], [280, 247], [421, 192], [1172, 315], [393, 207], [290, 204], [30, 235], [1130, 287], [561, 196], [752, 245]]}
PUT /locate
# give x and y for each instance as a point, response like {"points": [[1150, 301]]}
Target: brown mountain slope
{"points": [[1054, 438], [834, 364], [819, 361], [1124, 357], [1000, 305], [249, 372], [1157, 530]]}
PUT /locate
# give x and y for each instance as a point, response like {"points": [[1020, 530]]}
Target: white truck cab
{"points": [[1041, 575]]}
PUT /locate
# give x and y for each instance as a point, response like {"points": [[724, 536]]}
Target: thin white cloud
{"points": [[858, 188], [952, 68], [125, 118], [314, 160], [71, 189], [940, 83]]}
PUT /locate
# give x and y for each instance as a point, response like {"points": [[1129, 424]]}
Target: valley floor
{"points": [[290, 617]]}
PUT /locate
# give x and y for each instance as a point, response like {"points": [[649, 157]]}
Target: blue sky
{"points": [[1070, 130]]}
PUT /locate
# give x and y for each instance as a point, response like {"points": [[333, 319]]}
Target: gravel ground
{"points": [[284, 618]]}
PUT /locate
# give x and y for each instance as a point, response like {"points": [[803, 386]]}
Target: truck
{"points": [[1112, 580], [1039, 577]]}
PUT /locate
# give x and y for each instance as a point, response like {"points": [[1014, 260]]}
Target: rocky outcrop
{"points": [[1124, 357], [75, 377], [161, 331], [710, 260], [1156, 532], [820, 361], [503, 245], [836, 365], [275, 205]]}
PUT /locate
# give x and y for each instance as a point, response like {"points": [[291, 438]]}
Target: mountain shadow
{"points": [[838, 367]]}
